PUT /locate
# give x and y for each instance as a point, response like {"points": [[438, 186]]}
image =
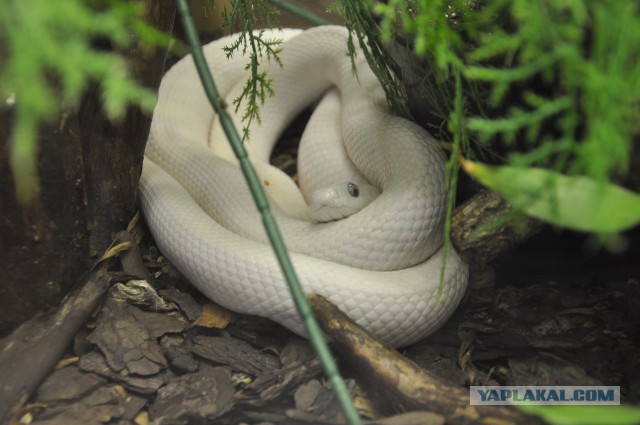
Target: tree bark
{"points": [[43, 245], [88, 169]]}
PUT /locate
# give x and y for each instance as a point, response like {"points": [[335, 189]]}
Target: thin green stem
{"points": [[453, 167], [304, 310]]}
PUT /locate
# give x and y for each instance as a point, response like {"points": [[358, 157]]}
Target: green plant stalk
{"points": [[315, 334], [299, 12], [453, 170]]}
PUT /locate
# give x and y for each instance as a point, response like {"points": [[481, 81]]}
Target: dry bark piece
{"points": [[480, 233], [187, 304], [299, 364], [399, 384], [96, 363], [131, 259], [178, 353], [272, 384], [127, 344], [215, 316], [158, 324], [69, 383], [259, 332], [102, 405], [316, 399], [239, 355], [133, 407], [297, 351], [140, 293], [194, 398], [32, 350]]}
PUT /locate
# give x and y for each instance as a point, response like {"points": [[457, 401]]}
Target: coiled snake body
{"points": [[381, 265]]}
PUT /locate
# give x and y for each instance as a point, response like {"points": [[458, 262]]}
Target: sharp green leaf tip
{"points": [[574, 202]]}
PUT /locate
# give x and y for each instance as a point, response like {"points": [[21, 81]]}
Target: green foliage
{"points": [[49, 60], [563, 76], [359, 16], [584, 53], [588, 50], [428, 24], [574, 202], [585, 415], [243, 17]]}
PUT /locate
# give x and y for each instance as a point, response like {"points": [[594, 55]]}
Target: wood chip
{"points": [[179, 354], [195, 397], [128, 345], [215, 316], [68, 383], [239, 355], [316, 399], [96, 363]]}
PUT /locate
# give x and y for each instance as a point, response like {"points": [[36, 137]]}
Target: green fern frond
{"points": [[589, 49], [560, 78], [243, 17], [49, 45]]}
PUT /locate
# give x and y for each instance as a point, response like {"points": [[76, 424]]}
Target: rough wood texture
{"points": [[32, 350], [89, 171], [398, 384], [113, 152], [481, 228], [43, 245]]}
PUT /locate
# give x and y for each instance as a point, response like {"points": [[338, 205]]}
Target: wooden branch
{"points": [[482, 229], [397, 383], [32, 350]]}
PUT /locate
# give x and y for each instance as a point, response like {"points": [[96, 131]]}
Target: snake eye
{"points": [[353, 190]]}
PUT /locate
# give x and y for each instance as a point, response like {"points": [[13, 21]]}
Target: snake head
{"points": [[341, 200]]}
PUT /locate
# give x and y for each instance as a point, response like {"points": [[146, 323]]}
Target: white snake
{"points": [[381, 265]]}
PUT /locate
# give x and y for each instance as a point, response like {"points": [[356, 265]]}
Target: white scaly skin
{"points": [[332, 186], [381, 265]]}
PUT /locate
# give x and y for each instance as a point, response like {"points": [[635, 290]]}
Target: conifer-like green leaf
{"points": [[48, 60], [573, 202]]}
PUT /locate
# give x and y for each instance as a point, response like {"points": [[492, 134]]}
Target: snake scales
{"points": [[381, 264]]}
